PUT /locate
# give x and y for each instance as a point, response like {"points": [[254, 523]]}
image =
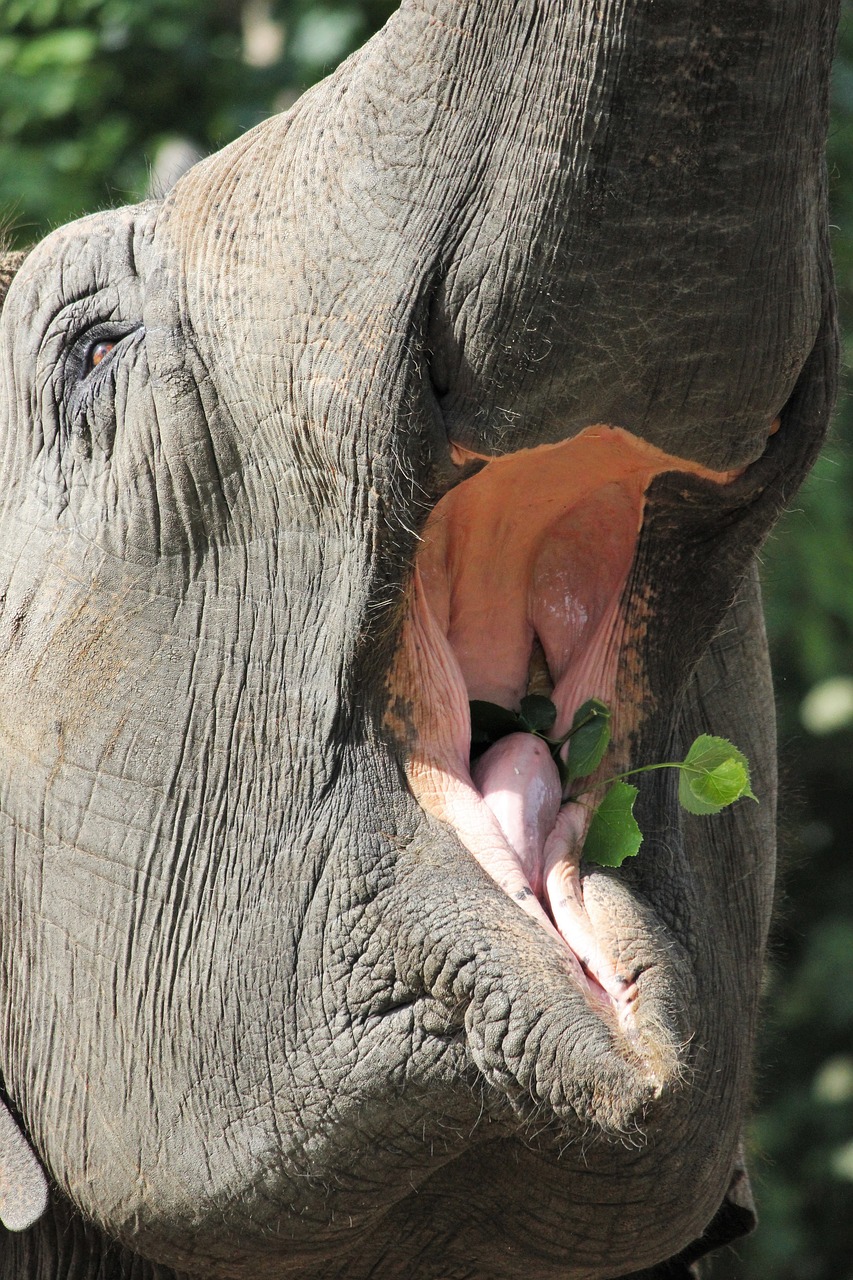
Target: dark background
{"points": [[99, 99]]}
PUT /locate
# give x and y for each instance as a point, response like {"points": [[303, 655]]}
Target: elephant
{"points": [[484, 370]]}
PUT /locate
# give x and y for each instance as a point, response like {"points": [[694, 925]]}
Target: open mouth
{"points": [[526, 582]]}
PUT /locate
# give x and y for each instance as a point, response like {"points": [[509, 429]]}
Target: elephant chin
{"points": [[526, 582]]}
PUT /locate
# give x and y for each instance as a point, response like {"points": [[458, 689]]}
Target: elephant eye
{"points": [[89, 375], [89, 352], [96, 353]]}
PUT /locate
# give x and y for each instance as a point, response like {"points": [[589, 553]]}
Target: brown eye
{"points": [[98, 352]]}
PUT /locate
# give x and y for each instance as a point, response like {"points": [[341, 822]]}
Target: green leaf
{"points": [[613, 833], [538, 713], [588, 738], [713, 775], [489, 722]]}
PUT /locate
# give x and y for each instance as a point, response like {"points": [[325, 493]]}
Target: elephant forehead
{"points": [[97, 253]]}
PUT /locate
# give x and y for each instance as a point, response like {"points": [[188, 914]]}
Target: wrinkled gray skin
{"points": [[261, 1015]]}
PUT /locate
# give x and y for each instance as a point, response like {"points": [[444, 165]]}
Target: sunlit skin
{"points": [[454, 381]]}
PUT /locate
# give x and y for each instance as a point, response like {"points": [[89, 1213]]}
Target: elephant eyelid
{"points": [[92, 350], [87, 376]]}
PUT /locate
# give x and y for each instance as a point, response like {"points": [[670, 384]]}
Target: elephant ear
{"points": [[23, 1186], [736, 1217], [9, 263]]}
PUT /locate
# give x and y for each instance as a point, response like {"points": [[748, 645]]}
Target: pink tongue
{"points": [[519, 782]]}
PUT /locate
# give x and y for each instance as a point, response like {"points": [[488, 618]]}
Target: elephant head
{"points": [[484, 369]]}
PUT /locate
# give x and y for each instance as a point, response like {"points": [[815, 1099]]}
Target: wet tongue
{"points": [[519, 782]]}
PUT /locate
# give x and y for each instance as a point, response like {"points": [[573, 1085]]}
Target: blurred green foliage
{"points": [[90, 90], [802, 1137]]}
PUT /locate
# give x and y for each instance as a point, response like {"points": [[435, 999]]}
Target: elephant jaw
{"points": [[523, 583]]}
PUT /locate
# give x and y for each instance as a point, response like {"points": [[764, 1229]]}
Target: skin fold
{"points": [[268, 1010]]}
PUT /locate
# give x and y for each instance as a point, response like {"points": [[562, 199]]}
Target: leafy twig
{"points": [[714, 773]]}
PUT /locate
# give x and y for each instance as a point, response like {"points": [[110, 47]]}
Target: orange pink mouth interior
{"points": [[521, 585]]}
